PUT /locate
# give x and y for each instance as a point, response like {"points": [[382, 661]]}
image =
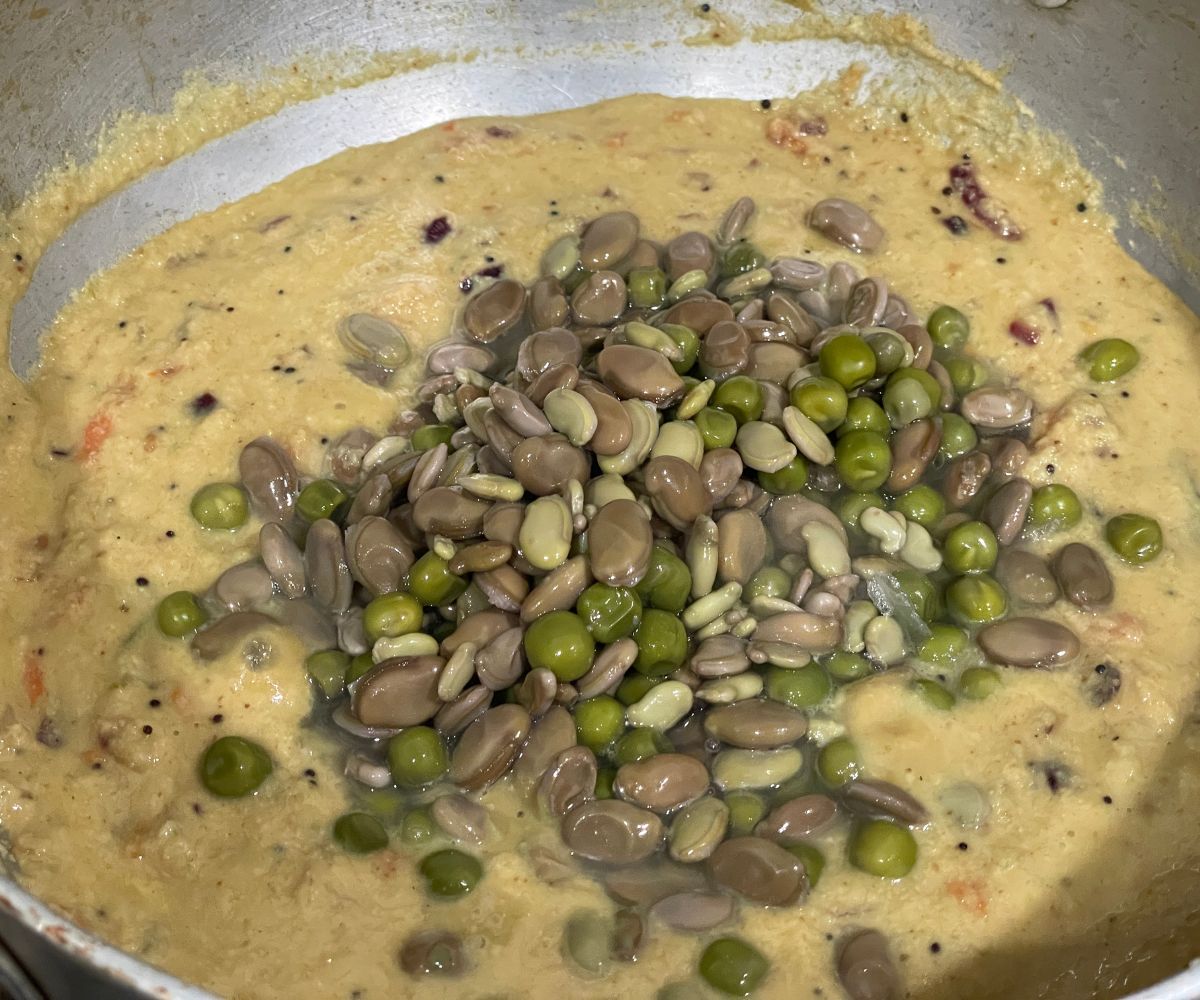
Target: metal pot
{"points": [[1117, 76]]}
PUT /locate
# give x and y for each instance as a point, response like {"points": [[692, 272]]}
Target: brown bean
{"points": [[346, 454], [325, 566], [965, 477], [556, 377], [1026, 578], [488, 747], [544, 465], [548, 306], [755, 724], [781, 309], [479, 557], [913, 448], [270, 477], [397, 692], [760, 870], [693, 911], [612, 831], [517, 410], [448, 356], [501, 662], [607, 240], [720, 656], [243, 586], [558, 590], [504, 587], [663, 782], [866, 303], [1083, 577], [614, 428], [502, 523], [676, 491], [599, 299], [1008, 456], [569, 781], [725, 350], [373, 499], [456, 715], [1028, 642], [721, 468], [995, 408], [846, 223], [808, 632], [433, 953], [449, 512], [742, 546], [223, 635], [620, 543], [639, 373], [494, 310], [537, 691], [644, 254], [865, 968], [460, 818], [873, 797], [377, 554], [798, 819], [788, 514], [545, 349], [1006, 509], [646, 884], [480, 628], [553, 733], [689, 251], [774, 362]]}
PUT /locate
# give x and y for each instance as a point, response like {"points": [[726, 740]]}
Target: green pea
{"points": [[935, 695], [931, 386], [848, 360], [741, 258], [647, 287], [976, 600], [322, 498], [450, 873], [430, 436], [790, 479], [232, 767], [921, 504], [864, 414], [679, 990], [358, 667], [745, 811], [327, 669], [392, 615], [1053, 507], [639, 744], [889, 351], [863, 460], [588, 941], [838, 762], [948, 328], [605, 777], [905, 400], [800, 687], [822, 400], [740, 395], [770, 581], [970, 547], [958, 437], [667, 584], [220, 506], [418, 827], [813, 860], [965, 374], [717, 428], [359, 833], [946, 645], [431, 582], [599, 721], [845, 666], [634, 688], [1107, 360], [610, 613], [1134, 537], [560, 642], [977, 683], [851, 506], [662, 644], [383, 803], [881, 847], [180, 613], [732, 967], [923, 594], [417, 757], [688, 343]]}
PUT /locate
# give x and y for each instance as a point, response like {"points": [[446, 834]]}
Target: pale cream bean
{"points": [[727, 690], [413, 644], [711, 606], [884, 640], [746, 284], [383, 450], [571, 415], [918, 549], [662, 706], [763, 446], [827, 553], [443, 548], [696, 399], [489, 487], [736, 770], [720, 656], [808, 438], [713, 629], [546, 531], [685, 284], [764, 606], [858, 613], [779, 654], [881, 526], [457, 672], [445, 409], [698, 830], [426, 472], [474, 413], [573, 494], [604, 489], [744, 628], [468, 376], [702, 559], [679, 439], [644, 335], [644, 419]]}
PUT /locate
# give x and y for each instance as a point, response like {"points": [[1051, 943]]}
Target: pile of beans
{"points": [[649, 514]]}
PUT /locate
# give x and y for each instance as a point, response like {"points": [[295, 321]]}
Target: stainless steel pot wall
{"points": [[1119, 77]]}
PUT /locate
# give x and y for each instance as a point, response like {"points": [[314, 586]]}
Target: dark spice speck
{"points": [[904, 117], [935, 947], [141, 581], [494, 271], [218, 718], [1081, 207], [147, 729], [437, 230], [765, 103], [956, 224], [203, 404]]}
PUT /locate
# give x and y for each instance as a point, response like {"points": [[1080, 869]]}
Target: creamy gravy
{"points": [[1050, 897]]}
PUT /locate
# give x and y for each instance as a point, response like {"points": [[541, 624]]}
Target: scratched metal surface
{"points": [[1118, 76]]}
